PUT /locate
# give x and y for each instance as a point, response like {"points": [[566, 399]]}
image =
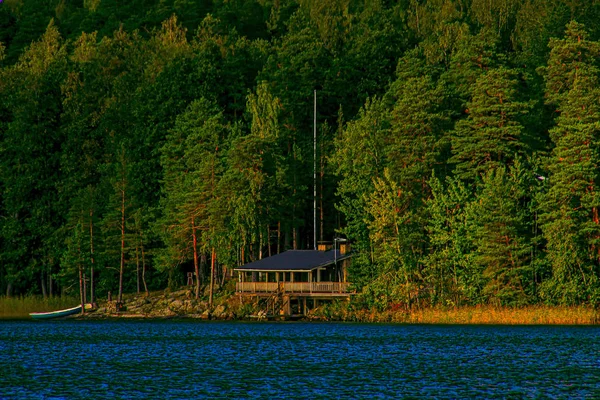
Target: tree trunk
{"points": [[137, 268], [92, 292], [84, 287], [260, 244], [144, 270], [294, 238], [269, 241], [278, 237], [43, 284], [212, 277], [81, 290], [122, 270], [9, 288], [203, 264], [196, 266]]}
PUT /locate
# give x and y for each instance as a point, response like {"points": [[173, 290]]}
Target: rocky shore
{"points": [[180, 303]]}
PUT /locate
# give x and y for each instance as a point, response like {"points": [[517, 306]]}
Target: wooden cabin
{"points": [[296, 279]]}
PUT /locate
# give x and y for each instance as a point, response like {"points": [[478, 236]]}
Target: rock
{"points": [[135, 304], [147, 309], [219, 311], [196, 307], [161, 303], [176, 305], [181, 293]]}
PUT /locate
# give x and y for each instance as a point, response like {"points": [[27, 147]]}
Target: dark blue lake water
{"points": [[139, 359]]}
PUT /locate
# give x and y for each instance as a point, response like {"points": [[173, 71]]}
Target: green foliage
{"points": [[453, 277], [500, 235], [570, 207], [192, 164], [359, 158], [256, 181], [492, 133]]}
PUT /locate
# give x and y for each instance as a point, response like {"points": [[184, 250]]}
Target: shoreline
{"points": [[229, 307], [182, 305], [459, 316]]}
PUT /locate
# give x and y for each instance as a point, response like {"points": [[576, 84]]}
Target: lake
{"points": [[189, 359]]}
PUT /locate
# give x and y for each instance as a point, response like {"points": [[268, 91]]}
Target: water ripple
{"points": [[141, 359]]}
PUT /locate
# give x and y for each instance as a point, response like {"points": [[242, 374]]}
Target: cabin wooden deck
{"points": [[308, 289], [291, 299]]}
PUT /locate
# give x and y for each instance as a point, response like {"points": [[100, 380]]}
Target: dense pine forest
{"points": [[458, 144]]}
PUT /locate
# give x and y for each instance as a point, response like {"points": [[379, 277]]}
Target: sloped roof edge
{"points": [[296, 261]]}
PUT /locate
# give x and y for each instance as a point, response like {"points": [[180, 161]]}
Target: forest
{"points": [[458, 144]]}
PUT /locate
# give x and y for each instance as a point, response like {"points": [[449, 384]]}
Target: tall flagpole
{"points": [[315, 173]]}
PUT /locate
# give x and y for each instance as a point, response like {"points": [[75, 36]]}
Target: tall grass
{"points": [[464, 315], [532, 315], [482, 315], [20, 307]]}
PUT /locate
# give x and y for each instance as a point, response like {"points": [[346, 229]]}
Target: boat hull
{"points": [[56, 314]]}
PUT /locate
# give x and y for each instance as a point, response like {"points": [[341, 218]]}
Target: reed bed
{"points": [[20, 307], [532, 315], [485, 315]]}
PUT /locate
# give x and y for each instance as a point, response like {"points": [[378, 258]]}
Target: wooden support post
{"points": [[304, 306], [287, 307]]}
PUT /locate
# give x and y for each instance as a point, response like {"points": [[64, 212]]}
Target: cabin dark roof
{"points": [[295, 260]]}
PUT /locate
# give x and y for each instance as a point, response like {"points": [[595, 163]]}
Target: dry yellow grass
{"points": [[479, 315], [532, 315]]}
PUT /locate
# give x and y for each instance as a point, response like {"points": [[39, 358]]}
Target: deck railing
{"points": [[292, 287]]}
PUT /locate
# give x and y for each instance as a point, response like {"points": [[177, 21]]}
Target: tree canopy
{"points": [[457, 150]]}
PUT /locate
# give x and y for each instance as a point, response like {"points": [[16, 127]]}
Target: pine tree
{"points": [[415, 145], [492, 134], [571, 221], [500, 235], [192, 164], [30, 153]]}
